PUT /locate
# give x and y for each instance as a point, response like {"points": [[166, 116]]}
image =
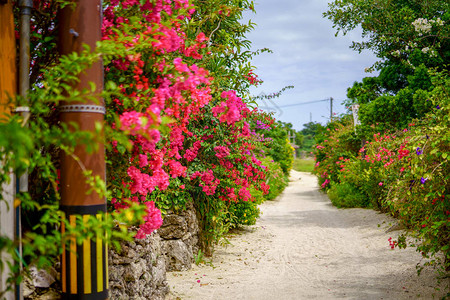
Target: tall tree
{"points": [[410, 38], [401, 30]]}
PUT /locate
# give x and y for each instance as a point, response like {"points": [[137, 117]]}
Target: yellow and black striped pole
{"points": [[84, 266]]}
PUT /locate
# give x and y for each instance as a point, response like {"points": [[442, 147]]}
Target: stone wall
{"points": [[138, 271], [179, 234]]}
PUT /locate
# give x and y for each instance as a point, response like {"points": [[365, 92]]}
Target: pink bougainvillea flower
{"points": [[222, 151], [152, 220]]}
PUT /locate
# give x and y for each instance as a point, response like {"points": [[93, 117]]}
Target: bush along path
{"points": [[303, 247], [397, 159]]}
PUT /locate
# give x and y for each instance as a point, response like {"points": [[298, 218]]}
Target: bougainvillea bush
{"points": [[189, 138], [420, 195], [157, 88]]}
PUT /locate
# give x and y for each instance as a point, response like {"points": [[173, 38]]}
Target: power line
{"points": [[302, 103], [279, 107]]}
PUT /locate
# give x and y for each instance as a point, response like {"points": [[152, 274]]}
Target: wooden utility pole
{"points": [[84, 268], [8, 81]]}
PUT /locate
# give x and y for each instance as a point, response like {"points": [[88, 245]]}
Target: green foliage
{"points": [[245, 213], [214, 221], [339, 142], [399, 107], [174, 198], [299, 139], [308, 144], [392, 78], [229, 49], [277, 186], [365, 91], [280, 150], [346, 195], [199, 258], [391, 28], [410, 38], [312, 129], [276, 178]]}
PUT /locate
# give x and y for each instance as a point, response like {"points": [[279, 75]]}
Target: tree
{"points": [[410, 37], [312, 128], [396, 30], [299, 139]]}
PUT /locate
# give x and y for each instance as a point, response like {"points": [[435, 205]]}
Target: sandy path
{"points": [[304, 248]]}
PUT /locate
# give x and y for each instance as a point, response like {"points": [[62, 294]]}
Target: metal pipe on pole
{"points": [[84, 268], [25, 7]]}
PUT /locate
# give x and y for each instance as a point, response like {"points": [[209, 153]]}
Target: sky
{"points": [[307, 55]]}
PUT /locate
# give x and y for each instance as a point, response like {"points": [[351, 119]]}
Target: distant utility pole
{"points": [[310, 117], [331, 109]]}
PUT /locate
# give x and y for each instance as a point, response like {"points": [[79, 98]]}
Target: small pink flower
{"points": [[380, 184], [143, 160]]}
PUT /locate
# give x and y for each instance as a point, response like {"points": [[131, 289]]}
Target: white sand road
{"points": [[304, 248]]}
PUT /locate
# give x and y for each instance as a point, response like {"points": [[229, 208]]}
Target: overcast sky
{"points": [[306, 55]]}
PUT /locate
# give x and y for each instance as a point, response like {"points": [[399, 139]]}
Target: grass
{"points": [[303, 165]]}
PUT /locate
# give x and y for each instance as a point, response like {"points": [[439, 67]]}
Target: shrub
{"points": [[280, 149], [338, 143], [346, 195], [276, 178]]}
